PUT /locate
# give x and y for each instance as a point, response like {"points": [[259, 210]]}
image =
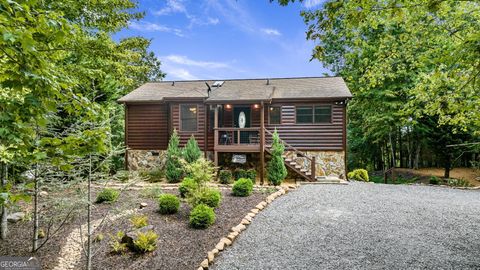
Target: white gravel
{"points": [[362, 226]]}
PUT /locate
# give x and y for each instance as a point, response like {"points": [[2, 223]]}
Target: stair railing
{"points": [[298, 153]]}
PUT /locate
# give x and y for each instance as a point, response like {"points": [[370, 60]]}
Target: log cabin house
{"points": [[237, 118]]}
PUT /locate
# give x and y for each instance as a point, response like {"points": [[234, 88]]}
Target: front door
{"points": [[244, 112]]}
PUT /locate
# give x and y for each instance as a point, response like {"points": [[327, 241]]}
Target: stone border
{"points": [[247, 220]]}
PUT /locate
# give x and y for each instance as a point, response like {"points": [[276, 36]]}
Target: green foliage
{"points": [[458, 183], [191, 151], [276, 170], [107, 195], [152, 192], [122, 176], [153, 175], [116, 243], [208, 196], [225, 177], [243, 187], [168, 204], [202, 216], [201, 171], [173, 166], [239, 173], [359, 175], [146, 242], [251, 174], [188, 185], [139, 221], [98, 238], [434, 180]]}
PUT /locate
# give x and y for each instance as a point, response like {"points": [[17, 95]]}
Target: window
{"points": [[313, 114], [275, 115], [188, 117]]}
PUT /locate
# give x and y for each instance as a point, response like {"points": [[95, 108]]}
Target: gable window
{"points": [[188, 117], [313, 114], [275, 115]]}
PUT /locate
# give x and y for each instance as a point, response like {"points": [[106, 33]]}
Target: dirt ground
{"points": [[469, 174]]}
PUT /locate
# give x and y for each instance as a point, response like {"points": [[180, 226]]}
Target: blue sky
{"points": [[224, 39]]}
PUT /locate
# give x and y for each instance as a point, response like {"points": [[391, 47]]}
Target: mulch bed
{"points": [[179, 246]]}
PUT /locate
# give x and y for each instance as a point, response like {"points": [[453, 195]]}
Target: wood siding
{"points": [[201, 122], [147, 126], [324, 136]]}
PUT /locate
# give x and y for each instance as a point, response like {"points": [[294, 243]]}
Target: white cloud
{"points": [[153, 27], [173, 6], [271, 32], [180, 74], [184, 60], [313, 3]]}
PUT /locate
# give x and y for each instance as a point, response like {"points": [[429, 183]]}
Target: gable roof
{"points": [[242, 90]]}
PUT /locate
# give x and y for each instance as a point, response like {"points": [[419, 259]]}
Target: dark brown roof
{"points": [[242, 90]]}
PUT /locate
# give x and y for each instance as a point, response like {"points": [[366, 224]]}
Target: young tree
{"points": [[173, 166], [276, 170], [191, 151]]}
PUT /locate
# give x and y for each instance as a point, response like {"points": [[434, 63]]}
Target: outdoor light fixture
{"points": [[256, 106], [228, 106], [193, 110]]}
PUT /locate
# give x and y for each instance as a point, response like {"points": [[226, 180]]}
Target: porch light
{"points": [[256, 106], [228, 106]]}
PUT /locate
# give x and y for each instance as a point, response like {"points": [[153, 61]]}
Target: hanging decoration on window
{"points": [[241, 119]]}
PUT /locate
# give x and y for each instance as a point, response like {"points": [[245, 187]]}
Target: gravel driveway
{"points": [[362, 226]]}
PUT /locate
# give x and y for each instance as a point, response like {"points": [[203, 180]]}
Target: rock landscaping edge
{"points": [[236, 230]]}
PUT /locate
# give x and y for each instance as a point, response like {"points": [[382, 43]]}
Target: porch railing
{"points": [[237, 136]]}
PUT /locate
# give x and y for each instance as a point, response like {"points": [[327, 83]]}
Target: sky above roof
{"points": [[210, 39]]}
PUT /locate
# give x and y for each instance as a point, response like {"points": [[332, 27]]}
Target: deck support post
{"points": [[262, 143], [215, 136], [312, 170]]}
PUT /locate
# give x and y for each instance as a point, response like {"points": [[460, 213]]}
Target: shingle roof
{"points": [[243, 90]]}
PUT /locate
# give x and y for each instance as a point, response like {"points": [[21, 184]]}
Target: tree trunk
{"points": [[4, 222], [392, 149], [89, 225], [448, 161], [417, 157], [35, 211]]}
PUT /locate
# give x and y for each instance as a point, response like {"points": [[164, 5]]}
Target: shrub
{"points": [[202, 217], [276, 170], [152, 192], [359, 175], [187, 186], [168, 204], [146, 242], [239, 173], [107, 195], [98, 238], [153, 175], [116, 244], [242, 188], [458, 183], [139, 221], [225, 176], [434, 180], [122, 176], [208, 196], [191, 152], [201, 171], [173, 167], [251, 174]]}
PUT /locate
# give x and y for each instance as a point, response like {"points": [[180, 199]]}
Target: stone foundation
{"points": [[146, 159], [329, 163]]}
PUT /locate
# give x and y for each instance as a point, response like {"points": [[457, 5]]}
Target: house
{"points": [[238, 117]]}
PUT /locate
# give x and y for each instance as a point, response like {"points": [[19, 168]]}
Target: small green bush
{"points": [[173, 167], [225, 177], [116, 244], [187, 186], [107, 195], [202, 216], [208, 196], [276, 170], [168, 204], [139, 221], [191, 152], [434, 180], [239, 173], [242, 188], [251, 174], [359, 175], [152, 192], [146, 242], [122, 176], [458, 183], [155, 175]]}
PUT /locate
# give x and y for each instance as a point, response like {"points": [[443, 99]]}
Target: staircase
{"points": [[307, 172]]}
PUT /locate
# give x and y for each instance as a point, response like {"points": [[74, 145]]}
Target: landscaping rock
{"points": [[226, 241], [231, 236], [43, 193], [255, 210], [132, 235], [210, 256], [15, 217], [259, 206], [143, 205], [220, 246], [204, 264], [249, 218], [215, 251], [245, 222], [251, 214]]}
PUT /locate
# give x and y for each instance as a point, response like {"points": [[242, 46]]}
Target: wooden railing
{"points": [[296, 151]]}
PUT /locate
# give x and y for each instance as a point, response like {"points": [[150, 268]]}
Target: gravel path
{"points": [[362, 226]]}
